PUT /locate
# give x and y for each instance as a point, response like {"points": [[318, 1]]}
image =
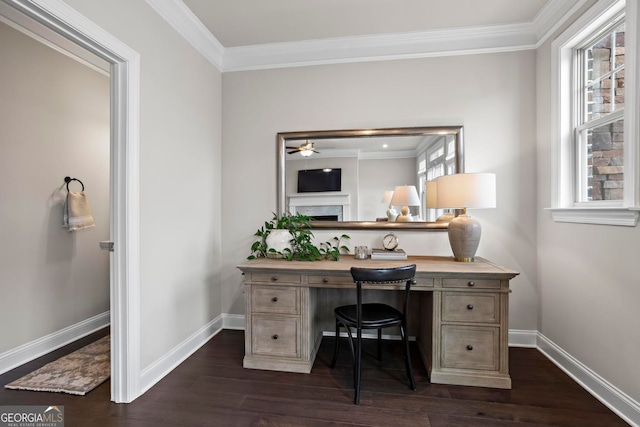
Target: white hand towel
{"points": [[77, 214]]}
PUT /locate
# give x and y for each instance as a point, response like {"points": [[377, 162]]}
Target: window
{"points": [[440, 160], [599, 106], [593, 166]]}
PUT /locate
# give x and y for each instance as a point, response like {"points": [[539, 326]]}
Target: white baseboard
{"points": [[616, 400], [522, 338], [233, 321], [161, 367], [36, 348]]}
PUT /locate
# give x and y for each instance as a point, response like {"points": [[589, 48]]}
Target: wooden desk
{"points": [[461, 322]]}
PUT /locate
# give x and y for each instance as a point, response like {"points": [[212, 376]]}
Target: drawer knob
{"points": [[469, 306], [274, 299], [471, 284], [325, 280], [274, 278], [275, 337], [469, 347]]}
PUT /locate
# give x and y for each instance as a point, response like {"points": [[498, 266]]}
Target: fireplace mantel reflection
{"points": [[321, 206]]}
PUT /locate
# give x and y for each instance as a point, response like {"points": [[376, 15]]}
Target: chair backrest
{"points": [[381, 276]]}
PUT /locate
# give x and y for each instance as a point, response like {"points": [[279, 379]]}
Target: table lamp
{"points": [[405, 196], [431, 201], [466, 190]]}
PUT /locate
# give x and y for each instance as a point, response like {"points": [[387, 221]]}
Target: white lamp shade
{"points": [[431, 189], [467, 190], [405, 195], [386, 198]]}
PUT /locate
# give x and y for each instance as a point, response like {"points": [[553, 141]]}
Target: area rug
{"points": [[76, 373]]}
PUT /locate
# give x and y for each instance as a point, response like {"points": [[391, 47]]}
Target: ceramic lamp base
{"points": [[445, 217], [464, 237], [405, 216], [392, 214]]}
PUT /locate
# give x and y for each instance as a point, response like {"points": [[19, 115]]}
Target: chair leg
{"points": [[379, 345], [358, 366], [405, 342], [336, 345], [353, 353]]}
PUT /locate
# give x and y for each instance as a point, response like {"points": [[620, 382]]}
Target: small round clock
{"points": [[390, 241]]}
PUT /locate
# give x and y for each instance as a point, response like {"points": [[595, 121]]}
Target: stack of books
{"points": [[396, 254]]}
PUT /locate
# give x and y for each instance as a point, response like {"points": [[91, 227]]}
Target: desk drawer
{"points": [[275, 278], [471, 307], [275, 336], [331, 280], [423, 282], [470, 347], [275, 299], [471, 283]]}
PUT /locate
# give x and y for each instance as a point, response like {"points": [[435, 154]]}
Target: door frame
{"points": [[124, 182]]}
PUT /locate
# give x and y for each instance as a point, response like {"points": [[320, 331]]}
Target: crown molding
{"points": [[446, 42], [381, 47], [552, 16], [182, 19]]}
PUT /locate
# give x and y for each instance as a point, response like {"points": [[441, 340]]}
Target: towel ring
{"points": [[69, 179]]}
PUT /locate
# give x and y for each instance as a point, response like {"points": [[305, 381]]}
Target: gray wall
{"points": [[492, 95], [54, 116], [589, 279], [180, 181]]}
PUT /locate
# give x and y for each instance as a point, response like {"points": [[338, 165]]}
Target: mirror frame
{"points": [[284, 138]]}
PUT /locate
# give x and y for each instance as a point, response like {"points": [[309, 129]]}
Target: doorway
{"points": [[124, 65]]}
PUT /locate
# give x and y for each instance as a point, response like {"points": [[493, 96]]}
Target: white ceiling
{"points": [[238, 35], [252, 22]]}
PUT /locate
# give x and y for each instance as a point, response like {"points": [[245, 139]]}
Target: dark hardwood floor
{"points": [[212, 389]]}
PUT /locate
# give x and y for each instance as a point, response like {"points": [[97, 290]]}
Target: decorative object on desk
{"points": [[361, 252], [431, 201], [390, 251], [300, 245], [396, 254], [466, 190], [390, 241], [405, 196], [278, 242], [386, 199], [76, 214]]}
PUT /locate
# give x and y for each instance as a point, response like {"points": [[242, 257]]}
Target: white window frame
{"points": [[563, 166]]}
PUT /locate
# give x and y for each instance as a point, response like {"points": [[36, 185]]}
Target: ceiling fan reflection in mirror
{"points": [[305, 149]]}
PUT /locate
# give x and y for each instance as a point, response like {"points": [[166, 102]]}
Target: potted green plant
{"points": [[289, 236]]}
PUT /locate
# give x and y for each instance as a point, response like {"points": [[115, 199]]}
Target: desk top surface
{"points": [[425, 265]]}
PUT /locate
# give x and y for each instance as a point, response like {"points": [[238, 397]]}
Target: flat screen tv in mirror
{"points": [[372, 162], [319, 180]]}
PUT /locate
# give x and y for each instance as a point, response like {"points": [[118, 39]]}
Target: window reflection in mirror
{"points": [[370, 163]]}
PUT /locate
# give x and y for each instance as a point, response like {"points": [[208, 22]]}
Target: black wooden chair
{"points": [[374, 316]]}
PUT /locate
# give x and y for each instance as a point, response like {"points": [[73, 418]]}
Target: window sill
{"points": [[604, 216]]}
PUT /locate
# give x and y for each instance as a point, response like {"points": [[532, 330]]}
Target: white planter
{"points": [[279, 240]]}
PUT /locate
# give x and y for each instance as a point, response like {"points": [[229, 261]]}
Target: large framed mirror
{"points": [[342, 178]]}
